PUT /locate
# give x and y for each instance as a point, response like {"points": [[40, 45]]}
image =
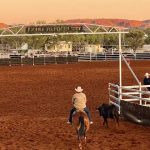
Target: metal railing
{"points": [[34, 60], [109, 56], [133, 94], [114, 95]]}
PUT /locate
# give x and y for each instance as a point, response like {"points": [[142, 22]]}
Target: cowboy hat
{"points": [[78, 89], [146, 74]]}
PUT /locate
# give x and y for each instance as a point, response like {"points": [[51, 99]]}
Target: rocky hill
{"points": [[114, 22], [108, 22], [3, 25]]}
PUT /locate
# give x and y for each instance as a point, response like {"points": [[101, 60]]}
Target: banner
{"points": [[54, 29]]}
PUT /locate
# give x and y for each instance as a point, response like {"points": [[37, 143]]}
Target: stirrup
{"points": [[68, 122], [91, 122]]}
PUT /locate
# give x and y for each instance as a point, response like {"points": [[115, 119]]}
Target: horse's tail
{"points": [[82, 126]]}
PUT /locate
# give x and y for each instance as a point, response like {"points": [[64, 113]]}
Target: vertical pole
{"points": [[90, 56], [66, 59], [120, 70], [119, 96], [109, 93], [33, 60], [44, 59], [55, 59], [96, 56], [9, 61], [140, 93], [21, 61]]}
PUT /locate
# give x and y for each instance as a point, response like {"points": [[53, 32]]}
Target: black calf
{"points": [[108, 111]]}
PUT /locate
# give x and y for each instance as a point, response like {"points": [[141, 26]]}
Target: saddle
{"points": [[78, 110]]}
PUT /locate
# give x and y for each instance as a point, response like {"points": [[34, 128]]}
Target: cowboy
{"points": [[79, 102], [147, 80]]}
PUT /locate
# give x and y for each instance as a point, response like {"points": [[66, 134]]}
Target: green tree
{"points": [[14, 42], [147, 36], [110, 40], [36, 42], [135, 39], [59, 21], [41, 22]]}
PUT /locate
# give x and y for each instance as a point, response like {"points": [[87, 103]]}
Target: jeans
{"points": [[85, 109]]}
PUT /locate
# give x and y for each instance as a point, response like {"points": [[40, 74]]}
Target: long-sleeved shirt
{"points": [[147, 82], [79, 100]]}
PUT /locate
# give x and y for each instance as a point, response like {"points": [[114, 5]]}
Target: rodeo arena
{"points": [[37, 88]]}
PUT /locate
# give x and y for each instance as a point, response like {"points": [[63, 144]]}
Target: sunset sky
{"points": [[28, 11]]}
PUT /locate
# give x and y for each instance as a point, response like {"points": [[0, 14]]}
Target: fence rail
{"points": [[115, 56], [19, 60], [130, 94], [48, 59]]}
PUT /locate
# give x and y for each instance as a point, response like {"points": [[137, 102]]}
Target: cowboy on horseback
{"points": [[79, 102]]}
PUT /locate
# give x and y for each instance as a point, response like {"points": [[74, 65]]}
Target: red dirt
{"points": [[35, 103]]}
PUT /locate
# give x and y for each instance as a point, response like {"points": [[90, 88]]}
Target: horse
{"points": [[81, 123], [108, 111]]}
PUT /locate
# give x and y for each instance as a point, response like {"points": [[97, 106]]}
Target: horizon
{"points": [[48, 10], [27, 23]]}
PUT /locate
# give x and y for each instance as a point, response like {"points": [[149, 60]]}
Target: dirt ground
{"points": [[35, 103]]}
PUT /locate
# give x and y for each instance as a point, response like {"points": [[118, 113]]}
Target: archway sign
{"points": [[60, 29], [66, 29]]}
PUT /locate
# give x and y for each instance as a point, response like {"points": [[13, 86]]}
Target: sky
{"points": [[29, 11]]}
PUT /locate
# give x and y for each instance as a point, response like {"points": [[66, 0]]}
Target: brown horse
{"points": [[81, 124]]}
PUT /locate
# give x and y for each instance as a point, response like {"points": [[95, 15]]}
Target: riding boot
{"points": [[88, 114], [70, 116]]}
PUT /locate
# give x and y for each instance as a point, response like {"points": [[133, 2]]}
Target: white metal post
{"points": [[44, 59], [55, 59], [67, 59], [9, 61], [140, 93], [90, 56], [109, 92], [33, 60], [120, 70], [21, 61], [96, 56]]}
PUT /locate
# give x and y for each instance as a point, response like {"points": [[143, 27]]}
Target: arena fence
{"points": [[64, 59], [114, 56], [42, 60], [135, 102], [127, 97]]}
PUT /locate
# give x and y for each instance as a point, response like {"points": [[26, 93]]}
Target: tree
{"points": [[41, 22], [14, 42], [147, 36], [135, 39], [59, 21], [110, 40], [36, 42]]}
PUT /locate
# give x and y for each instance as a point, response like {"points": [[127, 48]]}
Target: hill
{"points": [[3, 25], [114, 22], [107, 22]]}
